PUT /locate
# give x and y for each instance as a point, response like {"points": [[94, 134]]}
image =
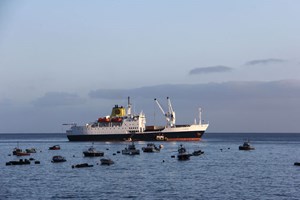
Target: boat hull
{"points": [[246, 148], [146, 136], [185, 156], [93, 154]]}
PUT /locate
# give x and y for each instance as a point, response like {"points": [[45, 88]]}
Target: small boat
{"points": [[297, 163], [246, 146], [197, 152], [19, 152], [31, 150], [56, 159], [128, 139], [182, 153], [150, 148], [106, 161], [16, 150], [82, 165], [131, 150], [92, 152], [55, 147], [19, 162], [22, 153]]}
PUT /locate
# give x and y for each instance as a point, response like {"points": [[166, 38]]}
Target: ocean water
{"points": [[222, 172]]}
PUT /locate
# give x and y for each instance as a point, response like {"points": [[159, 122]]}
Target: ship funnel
{"points": [[118, 111]]}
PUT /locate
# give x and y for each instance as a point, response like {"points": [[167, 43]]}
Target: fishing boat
{"points": [[19, 162], [150, 148], [182, 153], [131, 150], [31, 150], [22, 153], [17, 150], [297, 163], [246, 146], [106, 161], [57, 159], [197, 152], [123, 125], [82, 165], [55, 147], [92, 152]]}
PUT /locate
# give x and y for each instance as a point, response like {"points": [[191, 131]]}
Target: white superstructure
{"points": [[117, 123]]}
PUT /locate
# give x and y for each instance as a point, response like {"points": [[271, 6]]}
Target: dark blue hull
{"points": [[146, 136]]}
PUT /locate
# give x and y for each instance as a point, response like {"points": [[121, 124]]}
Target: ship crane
{"points": [[170, 115]]}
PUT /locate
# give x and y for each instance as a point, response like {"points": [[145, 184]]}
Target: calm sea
{"points": [[222, 172]]}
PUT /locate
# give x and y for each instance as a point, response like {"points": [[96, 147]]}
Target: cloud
{"points": [[52, 99], [229, 106], [211, 69], [254, 106], [211, 91], [264, 61], [6, 102]]}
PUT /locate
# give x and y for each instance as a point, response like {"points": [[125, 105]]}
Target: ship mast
{"points": [[170, 115], [129, 107], [200, 113]]}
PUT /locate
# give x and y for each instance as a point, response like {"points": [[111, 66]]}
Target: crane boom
{"points": [[162, 110], [170, 105], [170, 115]]}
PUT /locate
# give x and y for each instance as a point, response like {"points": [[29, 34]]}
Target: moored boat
{"points": [[123, 125], [55, 147], [182, 153], [31, 150], [197, 152], [92, 152], [17, 150], [131, 150], [246, 146], [22, 153], [57, 159], [82, 165], [297, 163], [19, 162], [106, 161], [150, 148]]}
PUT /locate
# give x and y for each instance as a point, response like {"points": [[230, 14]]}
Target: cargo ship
{"points": [[123, 125]]}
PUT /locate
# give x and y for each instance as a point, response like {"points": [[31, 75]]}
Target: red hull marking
{"points": [[184, 139]]}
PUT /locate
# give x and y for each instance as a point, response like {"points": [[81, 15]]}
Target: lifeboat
{"points": [[100, 119], [104, 119], [116, 119]]}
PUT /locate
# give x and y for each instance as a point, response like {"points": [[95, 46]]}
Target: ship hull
{"points": [[146, 136]]}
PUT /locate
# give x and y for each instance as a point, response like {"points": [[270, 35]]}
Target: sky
{"points": [[72, 61]]}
